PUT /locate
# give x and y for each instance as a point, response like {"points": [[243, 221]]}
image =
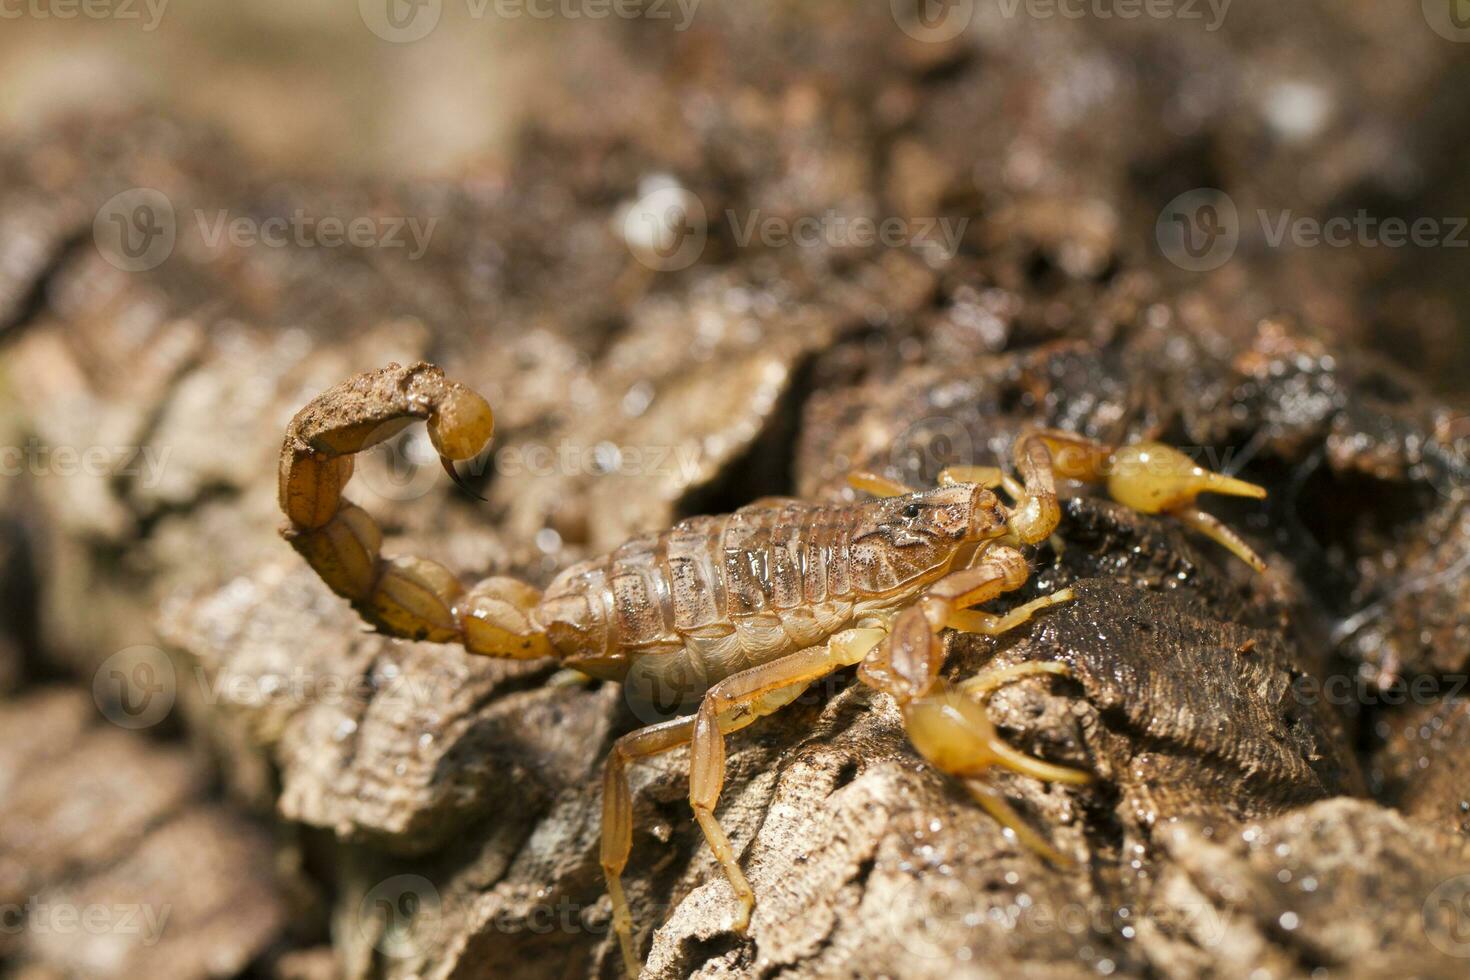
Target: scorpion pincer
{"points": [[762, 601]]}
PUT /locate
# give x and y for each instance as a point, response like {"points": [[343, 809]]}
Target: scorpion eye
{"points": [[912, 510]]}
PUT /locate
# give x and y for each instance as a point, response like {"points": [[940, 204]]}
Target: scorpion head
{"points": [[898, 540]]}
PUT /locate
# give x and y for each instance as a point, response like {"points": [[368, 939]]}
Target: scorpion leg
{"points": [[735, 702], [986, 476], [878, 486], [1151, 478], [980, 688], [617, 817], [408, 597], [948, 727], [989, 624]]}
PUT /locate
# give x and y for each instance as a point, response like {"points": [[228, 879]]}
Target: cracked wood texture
{"points": [[192, 727]]}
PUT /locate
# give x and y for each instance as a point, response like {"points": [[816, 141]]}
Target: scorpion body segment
{"points": [[738, 612], [713, 596]]}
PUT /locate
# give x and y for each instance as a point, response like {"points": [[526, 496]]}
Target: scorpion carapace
{"points": [[744, 610]]}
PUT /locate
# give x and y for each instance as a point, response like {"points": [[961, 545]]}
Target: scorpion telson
{"points": [[762, 601]]}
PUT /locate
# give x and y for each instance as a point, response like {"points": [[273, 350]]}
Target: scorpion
{"points": [[761, 602]]}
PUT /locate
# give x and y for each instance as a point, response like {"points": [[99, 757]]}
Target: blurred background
{"points": [[634, 224]]}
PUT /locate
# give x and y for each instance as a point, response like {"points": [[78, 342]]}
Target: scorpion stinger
{"points": [[458, 479]]}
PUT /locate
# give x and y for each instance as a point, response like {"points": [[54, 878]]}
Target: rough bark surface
{"points": [[191, 722]]}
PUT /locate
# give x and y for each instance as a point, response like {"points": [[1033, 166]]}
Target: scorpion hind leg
{"points": [[617, 818], [739, 700], [407, 597]]}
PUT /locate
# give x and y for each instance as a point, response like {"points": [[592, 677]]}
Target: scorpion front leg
{"points": [[948, 726], [408, 597]]}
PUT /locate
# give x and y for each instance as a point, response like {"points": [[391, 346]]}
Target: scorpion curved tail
{"points": [[408, 597]]}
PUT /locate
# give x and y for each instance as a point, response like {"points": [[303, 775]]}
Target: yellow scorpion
{"points": [[760, 602]]}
